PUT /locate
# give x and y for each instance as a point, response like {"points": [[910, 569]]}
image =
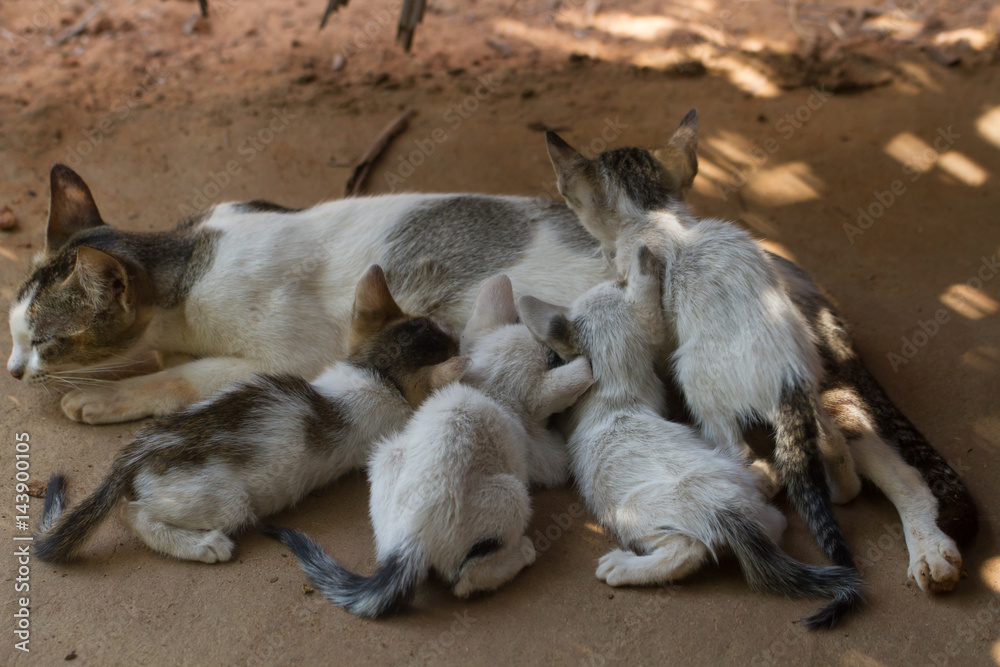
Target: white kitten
{"points": [[450, 493], [670, 498]]}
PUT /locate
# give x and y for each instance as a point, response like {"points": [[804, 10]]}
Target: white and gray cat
{"points": [[194, 479], [254, 288], [450, 493], [670, 497]]}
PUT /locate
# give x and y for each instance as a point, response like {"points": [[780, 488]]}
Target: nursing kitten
{"points": [[199, 476], [882, 444], [668, 496], [738, 348], [450, 493]]}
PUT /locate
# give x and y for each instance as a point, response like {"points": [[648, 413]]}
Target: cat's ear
{"points": [[566, 160], [430, 378], [71, 208], [374, 306], [679, 156], [493, 308], [563, 385], [645, 276], [103, 277], [443, 374], [549, 324]]}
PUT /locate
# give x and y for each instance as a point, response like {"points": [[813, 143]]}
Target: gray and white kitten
{"points": [[195, 478], [669, 497], [450, 493], [737, 346]]}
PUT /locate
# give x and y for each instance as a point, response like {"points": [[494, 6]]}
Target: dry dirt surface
{"points": [[863, 141]]}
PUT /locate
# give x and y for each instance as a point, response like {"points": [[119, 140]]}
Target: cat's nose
{"points": [[18, 372]]}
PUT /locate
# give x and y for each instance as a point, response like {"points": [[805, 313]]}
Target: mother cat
{"points": [[256, 288]]}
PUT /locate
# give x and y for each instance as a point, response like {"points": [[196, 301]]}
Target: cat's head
{"points": [[83, 302], [617, 324], [508, 361], [620, 185], [415, 353]]}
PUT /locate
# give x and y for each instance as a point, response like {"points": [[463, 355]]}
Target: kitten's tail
{"points": [[391, 587], [768, 568], [63, 535], [800, 467], [55, 502]]}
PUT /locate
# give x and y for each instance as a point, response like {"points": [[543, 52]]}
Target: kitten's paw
{"points": [[528, 550], [767, 478], [101, 406], [613, 567], [938, 568], [215, 548]]}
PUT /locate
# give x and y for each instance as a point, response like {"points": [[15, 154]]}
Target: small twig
{"points": [[356, 183], [80, 27]]}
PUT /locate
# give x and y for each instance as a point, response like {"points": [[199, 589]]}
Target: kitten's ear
{"points": [[679, 156], [645, 275], [493, 308], [563, 385], [447, 372], [565, 159], [71, 207], [549, 324], [374, 306], [103, 277]]}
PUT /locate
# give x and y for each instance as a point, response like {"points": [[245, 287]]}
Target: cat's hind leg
{"points": [[841, 473], [935, 561], [490, 572], [675, 557], [208, 546]]}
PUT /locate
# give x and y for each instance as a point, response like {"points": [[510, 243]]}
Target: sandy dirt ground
{"points": [[813, 118]]}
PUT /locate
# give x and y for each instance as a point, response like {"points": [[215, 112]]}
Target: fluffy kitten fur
{"points": [[668, 496], [881, 442], [450, 493], [199, 476], [738, 348]]}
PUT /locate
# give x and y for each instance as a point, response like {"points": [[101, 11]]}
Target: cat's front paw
{"points": [[937, 568], [102, 406], [216, 548], [614, 567]]}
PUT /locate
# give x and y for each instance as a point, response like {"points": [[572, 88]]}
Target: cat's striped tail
{"points": [[63, 534], [800, 468], [389, 588], [768, 568]]}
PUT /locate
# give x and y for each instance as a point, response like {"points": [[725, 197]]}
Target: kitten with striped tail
{"points": [[737, 346], [450, 493], [197, 477], [670, 498]]}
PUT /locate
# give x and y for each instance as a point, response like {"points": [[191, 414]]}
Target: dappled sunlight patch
{"points": [[991, 573], [593, 527], [905, 146], [963, 168], [748, 78], [968, 302], [983, 358], [974, 37], [763, 227], [989, 126], [785, 184]]}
